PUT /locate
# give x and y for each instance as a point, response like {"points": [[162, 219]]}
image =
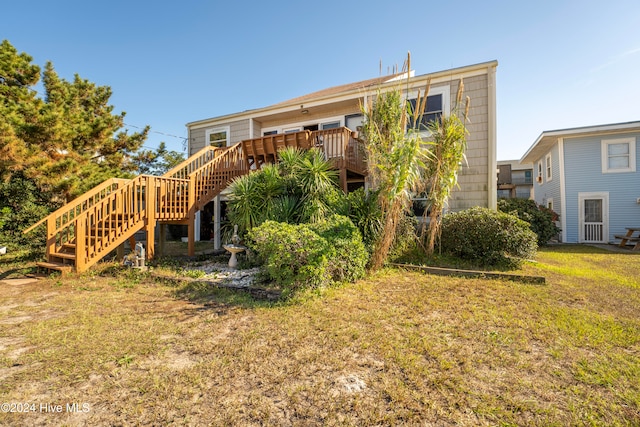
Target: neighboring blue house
{"points": [[590, 176]]}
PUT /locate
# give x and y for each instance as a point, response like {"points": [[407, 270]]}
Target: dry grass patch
{"points": [[398, 348]]}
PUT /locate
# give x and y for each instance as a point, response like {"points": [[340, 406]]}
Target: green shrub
{"points": [[541, 219], [309, 255], [20, 206], [488, 237], [363, 209], [292, 255], [347, 254]]}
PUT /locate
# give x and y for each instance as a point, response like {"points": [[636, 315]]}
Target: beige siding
{"points": [[473, 177], [196, 140], [239, 131]]}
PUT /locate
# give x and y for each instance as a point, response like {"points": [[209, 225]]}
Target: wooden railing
{"points": [[61, 224], [202, 157], [111, 221], [341, 148], [99, 221], [172, 199], [210, 179], [265, 149]]}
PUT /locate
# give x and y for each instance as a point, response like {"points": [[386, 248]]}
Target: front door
{"points": [[594, 217]]}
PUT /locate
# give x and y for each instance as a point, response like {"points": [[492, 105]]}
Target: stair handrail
{"points": [[78, 202], [195, 161], [228, 165], [118, 202]]}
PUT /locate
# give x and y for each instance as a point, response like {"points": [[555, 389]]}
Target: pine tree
{"points": [[67, 141]]}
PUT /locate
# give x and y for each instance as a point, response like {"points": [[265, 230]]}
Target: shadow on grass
{"points": [[590, 249], [416, 256], [19, 262]]}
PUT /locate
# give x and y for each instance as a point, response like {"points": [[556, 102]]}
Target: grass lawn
{"points": [[397, 348]]}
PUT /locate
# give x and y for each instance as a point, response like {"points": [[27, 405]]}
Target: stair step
{"points": [[63, 255], [69, 246], [62, 268]]}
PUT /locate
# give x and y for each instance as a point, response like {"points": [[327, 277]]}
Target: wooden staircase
{"points": [[91, 226]]}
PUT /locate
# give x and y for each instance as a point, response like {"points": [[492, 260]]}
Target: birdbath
{"points": [[234, 248]]}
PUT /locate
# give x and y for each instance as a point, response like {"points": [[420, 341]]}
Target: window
{"points": [[618, 155], [548, 168], [432, 111], [539, 177], [354, 121], [523, 192], [437, 105], [270, 132], [218, 137], [330, 125], [527, 177], [420, 206]]}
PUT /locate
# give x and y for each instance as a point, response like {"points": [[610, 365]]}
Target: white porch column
{"points": [[217, 241], [197, 227]]}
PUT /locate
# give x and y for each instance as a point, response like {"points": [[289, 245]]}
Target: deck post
{"points": [[51, 237], [217, 240], [191, 221], [81, 239], [151, 216], [343, 179]]}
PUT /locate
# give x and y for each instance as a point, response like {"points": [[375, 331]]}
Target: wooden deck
{"points": [[87, 229]]}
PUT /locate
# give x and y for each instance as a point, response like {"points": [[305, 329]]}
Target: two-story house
{"points": [[335, 110], [515, 180], [591, 177]]}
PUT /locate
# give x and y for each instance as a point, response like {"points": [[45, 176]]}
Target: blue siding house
{"points": [[590, 176]]}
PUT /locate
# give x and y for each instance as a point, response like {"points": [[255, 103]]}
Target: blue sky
{"points": [[561, 63]]}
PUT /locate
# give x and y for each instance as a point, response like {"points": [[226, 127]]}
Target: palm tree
{"points": [[298, 189]]}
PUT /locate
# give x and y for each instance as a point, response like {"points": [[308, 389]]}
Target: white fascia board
{"points": [[565, 133]]}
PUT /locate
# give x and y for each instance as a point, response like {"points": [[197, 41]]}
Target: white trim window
{"points": [[548, 167], [218, 137], [438, 103], [618, 155], [539, 177]]}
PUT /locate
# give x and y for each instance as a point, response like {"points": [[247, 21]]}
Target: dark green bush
{"points": [[20, 206], [540, 218], [488, 237], [364, 211], [309, 255], [347, 255]]}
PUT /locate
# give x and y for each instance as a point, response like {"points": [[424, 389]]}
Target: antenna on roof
{"points": [[380, 66], [407, 63]]}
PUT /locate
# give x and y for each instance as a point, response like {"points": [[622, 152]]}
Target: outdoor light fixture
{"points": [[305, 111]]}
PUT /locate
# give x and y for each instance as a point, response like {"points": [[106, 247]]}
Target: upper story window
{"points": [[330, 125], [437, 105], [539, 177], [218, 137], [618, 155], [432, 111], [548, 167]]}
